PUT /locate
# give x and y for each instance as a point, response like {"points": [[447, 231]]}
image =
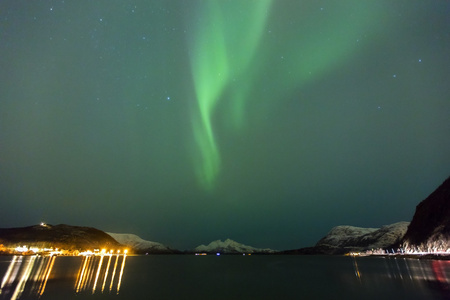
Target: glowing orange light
{"points": [[47, 274], [121, 273], [98, 273], [114, 273], [106, 272]]}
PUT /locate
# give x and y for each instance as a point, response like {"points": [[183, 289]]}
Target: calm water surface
{"points": [[223, 277]]}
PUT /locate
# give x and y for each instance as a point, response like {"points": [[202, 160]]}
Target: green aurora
{"points": [[229, 57], [187, 121]]}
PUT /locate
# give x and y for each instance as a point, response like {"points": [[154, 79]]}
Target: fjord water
{"points": [[223, 277]]}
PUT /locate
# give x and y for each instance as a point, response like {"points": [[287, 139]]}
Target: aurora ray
{"points": [[231, 55], [222, 28]]}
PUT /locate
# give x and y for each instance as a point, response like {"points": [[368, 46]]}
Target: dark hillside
{"points": [[430, 226], [60, 236]]}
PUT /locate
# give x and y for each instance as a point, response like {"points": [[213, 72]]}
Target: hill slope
{"points": [[430, 226], [343, 239], [140, 245], [59, 236]]}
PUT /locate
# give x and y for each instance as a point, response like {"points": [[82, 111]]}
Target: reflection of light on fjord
{"points": [[81, 273], [93, 270], [121, 272], [30, 274], [46, 274], [23, 279], [106, 272], [355, 266], [98, 273], [7, 277], [416, 271], [114, 273], [34, 269]]}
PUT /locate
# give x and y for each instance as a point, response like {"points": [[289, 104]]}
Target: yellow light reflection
{"points": [[7, 278], [106, 272], [81, 274], [98, 273], [94, 271], [23, 280], [121, 272], [29, 275], [355, 265], [114, 273], [47, 272]]}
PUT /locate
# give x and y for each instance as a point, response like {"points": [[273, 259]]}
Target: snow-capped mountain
{"points": [[140, 245], [339, 236], [349, 238], [230, 247]]}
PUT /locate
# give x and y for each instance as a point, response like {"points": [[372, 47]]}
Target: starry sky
{"points": [[267, 122]]}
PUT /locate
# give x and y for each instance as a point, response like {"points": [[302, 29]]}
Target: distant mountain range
{"points": [[428, 231], [75, 239], [230, 247]]}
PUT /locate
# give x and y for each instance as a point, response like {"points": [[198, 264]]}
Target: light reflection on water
{"points": [[27, 276], [415, 270], [225, 277], [29, 269], [424, 275], [93, 272]]}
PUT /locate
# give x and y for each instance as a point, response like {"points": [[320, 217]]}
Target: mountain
{"points": [[230, 247], [140, 245], [345, 239], [430, 227], [57, 236]]}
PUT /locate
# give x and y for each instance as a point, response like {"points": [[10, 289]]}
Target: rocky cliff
{"points": [[430, 227]]}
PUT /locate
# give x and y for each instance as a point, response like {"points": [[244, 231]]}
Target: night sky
{"points": [[267, 122]]}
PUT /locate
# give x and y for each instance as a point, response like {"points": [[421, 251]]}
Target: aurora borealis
{"points": [[225, 42], [227, 48], [267, 122]]}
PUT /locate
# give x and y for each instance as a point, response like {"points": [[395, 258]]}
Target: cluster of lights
{"points": [[36, 250], [56, 251], [440, 246], [406, 250], [103, 252]]}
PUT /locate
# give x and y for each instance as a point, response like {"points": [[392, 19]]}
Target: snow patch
{"points": [[230, 246], [364, 238], [137, 243]]}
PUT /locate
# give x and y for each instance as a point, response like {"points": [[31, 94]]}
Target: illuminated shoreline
{"points": [[29, 274]]}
